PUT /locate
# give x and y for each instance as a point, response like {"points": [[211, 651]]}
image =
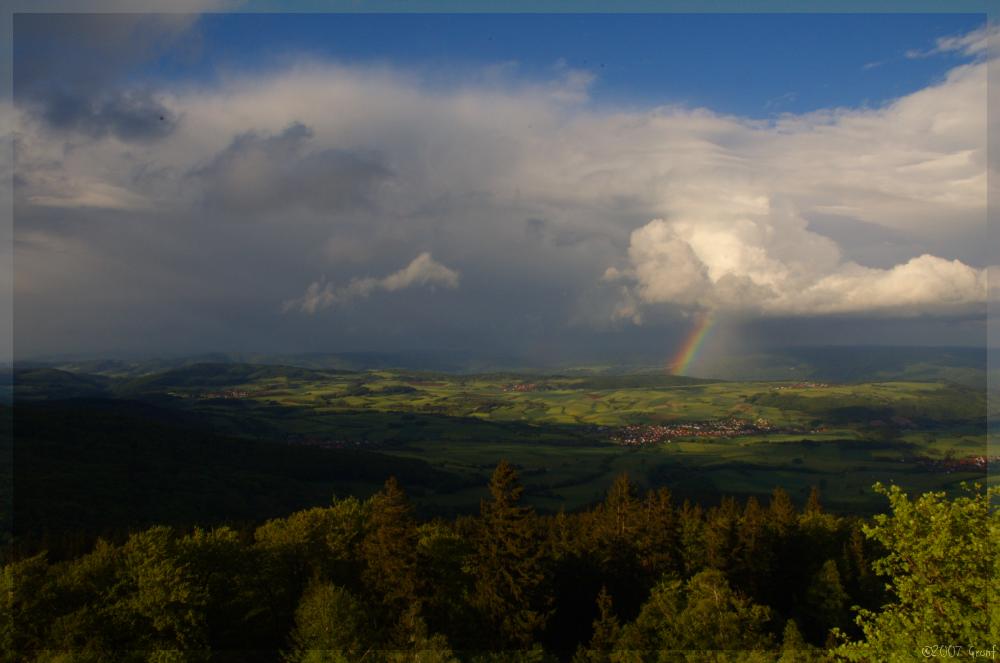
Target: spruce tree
{"points": [[508, 565], [606, 630], [813, 504], [782, 516], [720, 534], [794, 648], [754, 562], [389, 550], [620, 508], [617, 533], [782, 525], [826, 601], [658, 541], [691, 528]]}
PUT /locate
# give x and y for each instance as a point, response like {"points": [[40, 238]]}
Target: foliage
{"points": [[389, 553], [704, 615], [940, 568], [508, 564], [607, 630], [329, 626], [366, 580]]}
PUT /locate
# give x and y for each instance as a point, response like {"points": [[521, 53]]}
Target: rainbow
{"points": [[691, 345]]}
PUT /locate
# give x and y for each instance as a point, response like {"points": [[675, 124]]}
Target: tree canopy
{"points": [[634, 578]]}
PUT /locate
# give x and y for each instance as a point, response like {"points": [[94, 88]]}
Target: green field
{"points": [[558, 429]]}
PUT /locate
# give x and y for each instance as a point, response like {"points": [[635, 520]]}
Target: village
{"points": [[643, 435], [801, 385], [329, 443], [228, 394], [523, 387], [949, 465]]}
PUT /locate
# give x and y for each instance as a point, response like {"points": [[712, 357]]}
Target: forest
{"points": [[636, 577]]}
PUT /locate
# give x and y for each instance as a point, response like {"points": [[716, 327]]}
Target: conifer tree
{"points": [[691, 534], [754, 561], [617, 533], [782, 525], [620, 507], [658, 544], [782, 516], [508, 564], [813, 504], [606, 630], [720, 534], [826, 601], [411, 642], [859, 580], [442, 562], [818, 531], [794, 648], [389, 550]]}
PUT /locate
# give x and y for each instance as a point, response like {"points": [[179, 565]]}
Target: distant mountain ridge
{"points": [[962, 365]]}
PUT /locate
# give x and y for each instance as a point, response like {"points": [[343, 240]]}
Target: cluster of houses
{"points": [[801, 385], [329, 443], [227, 394], [949, 465], [522, 387], [641, 435]]}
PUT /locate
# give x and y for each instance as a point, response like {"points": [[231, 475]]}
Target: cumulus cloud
{"points": [[750, 259], [422, 271]]}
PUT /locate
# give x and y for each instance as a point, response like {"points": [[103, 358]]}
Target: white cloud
{"points": [[759, 262], [975, 43], [422, 271]]}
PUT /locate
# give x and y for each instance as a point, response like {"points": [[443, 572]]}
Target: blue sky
{"points": [[754, 65]]}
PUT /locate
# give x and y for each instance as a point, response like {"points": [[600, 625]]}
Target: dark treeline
{"points": [[638, 577]]}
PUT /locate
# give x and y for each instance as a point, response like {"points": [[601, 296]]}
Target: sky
{"points": [[537, 185]]}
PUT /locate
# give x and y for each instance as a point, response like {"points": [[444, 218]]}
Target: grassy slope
{"points": [[107, 465]]}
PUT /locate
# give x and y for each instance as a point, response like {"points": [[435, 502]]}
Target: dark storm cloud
{"points": [[868, 244], [129, 116], [69, 71], [263, 173], [534, 229], [544, 231]]}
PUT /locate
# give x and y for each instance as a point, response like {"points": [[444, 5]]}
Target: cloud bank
{"points": [[559, 213]]}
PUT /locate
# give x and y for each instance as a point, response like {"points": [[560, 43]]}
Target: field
{"points": [[570, 434]]}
